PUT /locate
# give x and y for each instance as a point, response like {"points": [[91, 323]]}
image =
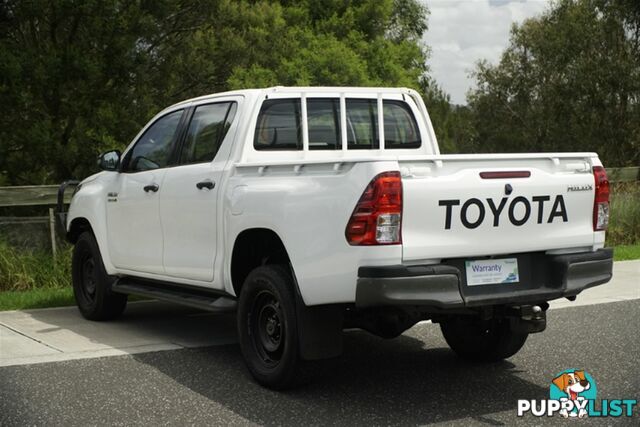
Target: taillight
{"points": [[377, 218], [601, 201]]}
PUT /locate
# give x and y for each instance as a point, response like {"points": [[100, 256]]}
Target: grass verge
{"points": [[24, 270], [60, 297], [626, 252], [36, 298], [32, 279], [624, 220]]}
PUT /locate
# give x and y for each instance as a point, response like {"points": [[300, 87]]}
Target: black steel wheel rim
{"points": [[267, 328], [89, 278]]}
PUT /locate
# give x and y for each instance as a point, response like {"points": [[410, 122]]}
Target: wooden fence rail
{"points": [[624, 174], [36, 195], [46, 195], [31, 195]]}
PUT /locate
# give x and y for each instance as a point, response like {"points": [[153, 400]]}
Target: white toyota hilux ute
{"points": [[308, 210]]}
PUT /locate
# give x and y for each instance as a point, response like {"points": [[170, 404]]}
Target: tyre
{"points": [[482, 340], [91, 284], [267, 327]]}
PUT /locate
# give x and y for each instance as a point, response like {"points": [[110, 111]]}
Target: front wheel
{"points": [[92, 284], [482, 340], [267, 327]]}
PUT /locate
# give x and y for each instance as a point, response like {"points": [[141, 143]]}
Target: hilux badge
{"points": [[587, 187]]}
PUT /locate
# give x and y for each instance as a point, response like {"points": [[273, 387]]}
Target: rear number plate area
{"points": [[492, 271]]}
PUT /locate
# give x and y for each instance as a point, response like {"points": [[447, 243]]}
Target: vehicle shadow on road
{"points": [[375, 381], [413, 379]]}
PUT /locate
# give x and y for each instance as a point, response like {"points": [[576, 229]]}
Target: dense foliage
{"points": [[568, 81], [81, 77]]}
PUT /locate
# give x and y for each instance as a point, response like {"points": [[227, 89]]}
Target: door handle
{"points": [[206, 184], [151, 187]]}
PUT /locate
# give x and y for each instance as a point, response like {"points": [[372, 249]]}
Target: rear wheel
{"points": [[92, 284], [482, 340], [267, 326]]}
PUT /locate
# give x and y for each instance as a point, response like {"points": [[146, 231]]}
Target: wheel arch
{"points": [[319, 327], [252, 248], [78, 226]]}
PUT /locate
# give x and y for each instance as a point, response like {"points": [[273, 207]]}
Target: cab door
{"points": [[133, 216], [189, 199]]}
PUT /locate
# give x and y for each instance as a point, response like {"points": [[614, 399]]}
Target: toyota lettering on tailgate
{"points": [[497, 210]]}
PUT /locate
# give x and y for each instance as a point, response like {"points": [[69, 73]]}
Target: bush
{"points": [[22, 270], [624, 221]]}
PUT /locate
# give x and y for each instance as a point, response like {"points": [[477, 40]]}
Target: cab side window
{"points": [[207, 129], [153, 149]]}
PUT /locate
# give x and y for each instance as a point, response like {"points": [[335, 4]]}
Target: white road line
{"points": [[91, 354], [30, 338]]}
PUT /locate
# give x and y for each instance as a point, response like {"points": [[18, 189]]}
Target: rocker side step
{"points": [[201, 299]]}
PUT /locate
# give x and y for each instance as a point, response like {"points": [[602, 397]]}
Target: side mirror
{"points": [[109, 161]]}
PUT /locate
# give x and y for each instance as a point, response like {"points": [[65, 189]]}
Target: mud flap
{"points": [[319, 330]]}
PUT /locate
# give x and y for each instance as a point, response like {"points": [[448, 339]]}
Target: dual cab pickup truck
{"points": [[311, 210]]}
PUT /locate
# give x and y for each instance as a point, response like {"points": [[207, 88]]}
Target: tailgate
{"points": [[450, 210]]}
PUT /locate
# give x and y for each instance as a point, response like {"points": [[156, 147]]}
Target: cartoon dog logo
{"points": [[572, 383]]}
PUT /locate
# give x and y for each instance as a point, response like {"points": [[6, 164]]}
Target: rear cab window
{"points": [[279, 125]]}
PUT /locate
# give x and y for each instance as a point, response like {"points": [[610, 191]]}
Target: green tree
{"points": [[75, 79], [81, 77], [568, 81], [453, 124]]}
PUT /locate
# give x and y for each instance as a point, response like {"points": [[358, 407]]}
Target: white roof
{"points": [[300, 89]]}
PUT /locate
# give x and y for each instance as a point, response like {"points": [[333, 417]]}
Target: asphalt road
{"points": [[413, 379]]}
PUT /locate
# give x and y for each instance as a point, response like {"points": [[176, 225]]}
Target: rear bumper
{"points": [[443, 286]]}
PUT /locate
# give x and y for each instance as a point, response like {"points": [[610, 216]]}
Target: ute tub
{"points": [[443, 286]]}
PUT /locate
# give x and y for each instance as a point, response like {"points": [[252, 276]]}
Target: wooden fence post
{"points": [[52, 230]]}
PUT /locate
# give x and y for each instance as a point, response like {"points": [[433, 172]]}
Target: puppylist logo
{"points": [[573, 389], [572, 394]]}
